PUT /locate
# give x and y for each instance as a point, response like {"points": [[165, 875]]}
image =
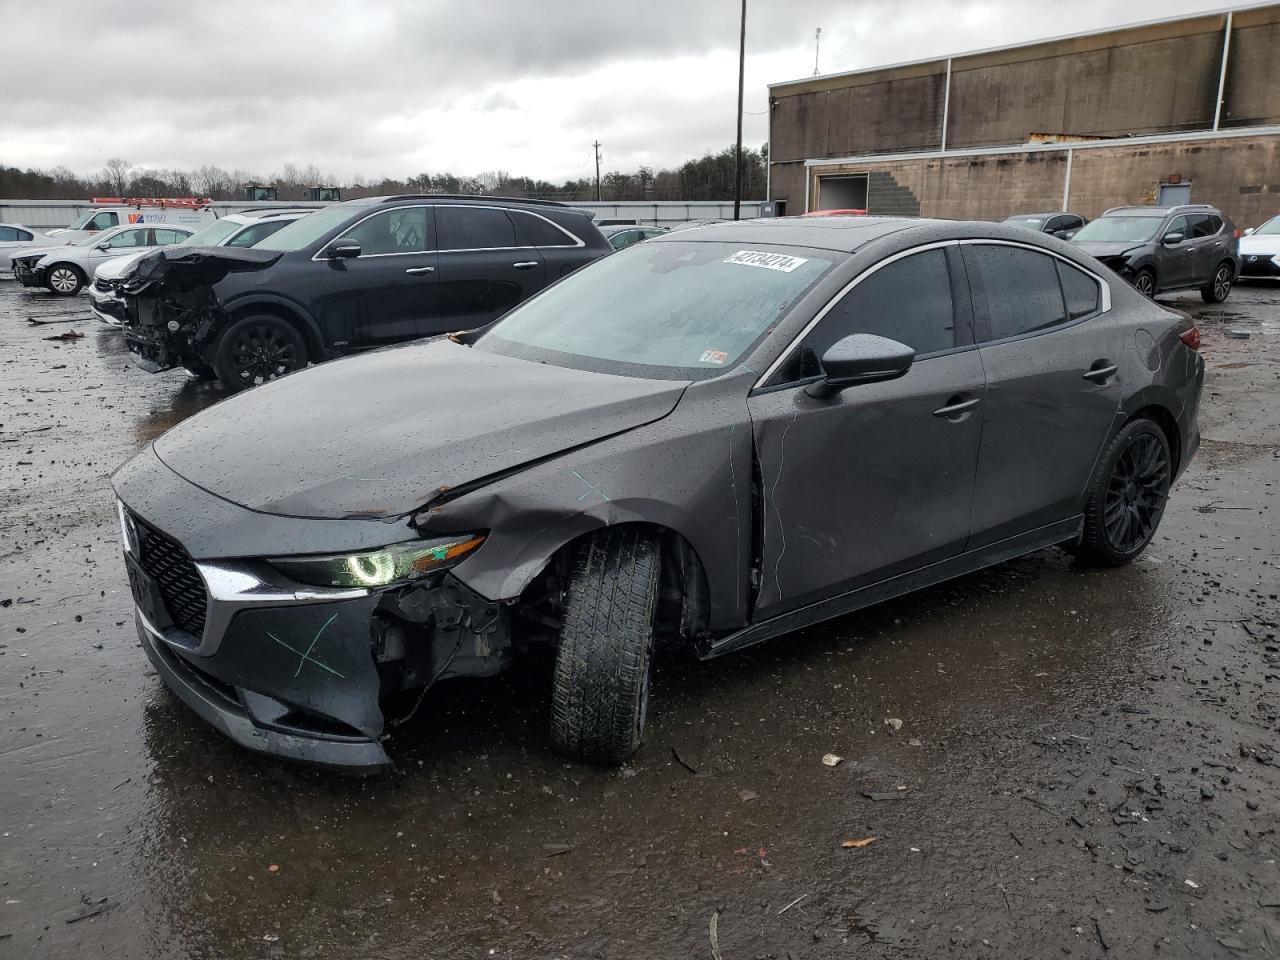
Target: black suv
{"points": [[1192, 246], [356, 275]]}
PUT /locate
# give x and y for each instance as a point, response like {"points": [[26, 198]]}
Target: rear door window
{"points": [[1080, 290], [474, 228], [536, 231], [9, 233], [908, 300], [165, 238], [1021, 289]]}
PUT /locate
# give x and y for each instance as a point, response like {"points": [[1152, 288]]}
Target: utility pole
{"points": [[737, 157], [817, 45], [597, 147]]}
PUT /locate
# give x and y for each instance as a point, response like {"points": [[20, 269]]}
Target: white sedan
{"points": [[65, 270], [15, 238]]}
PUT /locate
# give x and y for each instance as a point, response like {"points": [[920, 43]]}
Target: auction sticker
{"points": [[714, 356], [770, 261]]}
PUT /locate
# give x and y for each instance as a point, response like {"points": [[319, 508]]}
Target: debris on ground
{"points": [[746, 796], [1237, 334], [879, 795], [858, 844], [557, 849], [69, 335], [893, 723], [831, 760]]}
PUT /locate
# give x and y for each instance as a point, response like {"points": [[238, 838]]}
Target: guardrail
{"points": [[47, 214]]}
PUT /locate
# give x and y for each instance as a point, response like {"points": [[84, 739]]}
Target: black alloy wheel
{"points": [[1220, 287], [1145, 283], [257, 350], [1127, 495]]}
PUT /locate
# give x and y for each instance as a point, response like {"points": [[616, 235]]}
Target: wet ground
{"points": [[1087, 763]]}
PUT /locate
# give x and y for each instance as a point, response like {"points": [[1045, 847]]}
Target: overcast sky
{"points": [[400, 87]]}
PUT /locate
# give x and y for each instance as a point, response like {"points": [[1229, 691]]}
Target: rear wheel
{"points": [[1219, 288], [258, 349], [1127, 495], [600, 695], [1144, 282], [64, 279]]}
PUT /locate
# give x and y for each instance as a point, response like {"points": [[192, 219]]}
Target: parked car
{"points": [[189, 212], [1260, 251], [1061, 225], [64, 270], [356, 275], [847, 212], [1158, 249], [242, 229], [712, 438], [622, 237], [15, 239]]}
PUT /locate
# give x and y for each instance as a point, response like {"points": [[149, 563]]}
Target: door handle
{"points": [[955, 406], [1101, 371], [525, 264], [418, 271]]}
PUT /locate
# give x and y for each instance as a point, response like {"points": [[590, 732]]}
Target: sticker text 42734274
{"points": [[768, 261]]}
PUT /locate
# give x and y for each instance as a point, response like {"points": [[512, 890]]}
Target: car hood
{"points": [[182, 267], [1268, 243], [117, 267], [380, 435], [1107, 248]]}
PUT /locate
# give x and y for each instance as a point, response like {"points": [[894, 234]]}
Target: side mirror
{"points": [[861, 358], [344, 248], [1248, 231], [1172, 239]]}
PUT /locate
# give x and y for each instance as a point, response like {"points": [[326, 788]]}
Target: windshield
{"points": [[212, 234], [668, 310], [1119, 229], [307, 230], [1271, 227], [102, 236], [1031, 223]]}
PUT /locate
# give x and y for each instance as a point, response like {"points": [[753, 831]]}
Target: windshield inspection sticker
{"points": [[770, 261], [714, 356]]}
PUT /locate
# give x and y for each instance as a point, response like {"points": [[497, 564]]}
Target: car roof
{"points": [[251, 215], [1054, 213], [850, 234], [1161, 211], [467, 198]]}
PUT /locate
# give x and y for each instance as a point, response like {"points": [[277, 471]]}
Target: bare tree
{"points": [[117, 173]]}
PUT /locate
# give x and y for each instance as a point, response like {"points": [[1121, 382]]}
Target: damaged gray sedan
{"points": [[708, 440]]}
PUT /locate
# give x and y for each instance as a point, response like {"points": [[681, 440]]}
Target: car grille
{"points": [[104, 286], [175, 573]]}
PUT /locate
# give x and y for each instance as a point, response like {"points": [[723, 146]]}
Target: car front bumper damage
{"points": [[27, 273], [300, 672]]}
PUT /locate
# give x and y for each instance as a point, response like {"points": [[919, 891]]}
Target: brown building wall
{"points": [[1240, 175], [1160, 78]]}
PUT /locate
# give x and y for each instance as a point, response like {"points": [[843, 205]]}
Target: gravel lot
{"points": [[1087, 765]]}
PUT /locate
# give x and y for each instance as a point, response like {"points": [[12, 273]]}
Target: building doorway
{"points": [[1173, 194], [842, 193]]}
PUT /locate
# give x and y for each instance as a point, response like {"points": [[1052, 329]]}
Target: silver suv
{"points": [[1192, 246]]}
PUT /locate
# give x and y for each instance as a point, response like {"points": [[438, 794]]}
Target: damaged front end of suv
{"points": [[172, 314]]}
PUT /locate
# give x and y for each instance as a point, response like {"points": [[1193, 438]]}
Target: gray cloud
{"points": [[399, 87]]}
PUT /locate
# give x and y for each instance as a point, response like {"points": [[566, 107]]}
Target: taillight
{"points": [[1239, 234], [1191, 338]]}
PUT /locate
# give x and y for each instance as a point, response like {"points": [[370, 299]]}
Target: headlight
{"points": [[398, 563], [1276, 259]]}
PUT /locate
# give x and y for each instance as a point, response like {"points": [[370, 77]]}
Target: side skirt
{"points": [[948, 569]]}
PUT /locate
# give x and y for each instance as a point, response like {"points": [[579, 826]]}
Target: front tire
{"points": [[1144, 281], [1219, 288], [64, 280], [258, 349], [600, 692], [1127, 495]]}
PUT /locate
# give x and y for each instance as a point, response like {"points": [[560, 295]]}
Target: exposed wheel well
{"points": [[315, 348], [1166, 422], [683, 602]]}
